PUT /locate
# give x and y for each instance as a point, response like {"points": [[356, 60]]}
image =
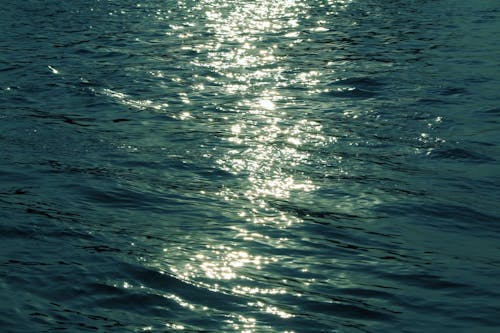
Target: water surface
{"points": [[249, 166]]}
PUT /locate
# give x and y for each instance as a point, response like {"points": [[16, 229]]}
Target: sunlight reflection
{"points": [[176, 327], [242, 323], [180, 301], [272, 310], [266, 138], [134, 103]]}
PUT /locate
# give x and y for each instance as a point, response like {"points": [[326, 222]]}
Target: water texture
{"points": [[249, 166]]}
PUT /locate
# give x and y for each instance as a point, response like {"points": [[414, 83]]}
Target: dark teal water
{"points": [[249, 166]]}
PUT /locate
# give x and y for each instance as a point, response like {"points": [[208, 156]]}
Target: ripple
{"points": [[461, 155], [263, 166]]}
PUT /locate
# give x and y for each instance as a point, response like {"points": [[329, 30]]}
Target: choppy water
{"points": [[249, 166]]}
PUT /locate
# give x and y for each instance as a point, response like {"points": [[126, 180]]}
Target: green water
{"points": [[249, 166]]}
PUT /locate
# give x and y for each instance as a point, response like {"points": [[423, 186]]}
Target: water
{"points": [[249, 166]]}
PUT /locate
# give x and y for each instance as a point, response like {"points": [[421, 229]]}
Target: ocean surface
{"points": [[249, 166]]}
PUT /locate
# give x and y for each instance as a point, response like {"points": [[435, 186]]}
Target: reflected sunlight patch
{"points": [[265, 139], [134, 103], [266, 104]]}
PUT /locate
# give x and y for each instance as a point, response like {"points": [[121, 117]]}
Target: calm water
{"points": [[249, 166]]}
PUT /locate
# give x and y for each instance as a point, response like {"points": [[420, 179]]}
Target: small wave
{"points": [[460, 154], [350, 308], [350, 92]]}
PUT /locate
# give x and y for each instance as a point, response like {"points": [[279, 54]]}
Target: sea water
{"points": [[249, 166]]}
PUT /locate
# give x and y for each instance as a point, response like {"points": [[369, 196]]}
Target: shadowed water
{"points": [[249, 166]]}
